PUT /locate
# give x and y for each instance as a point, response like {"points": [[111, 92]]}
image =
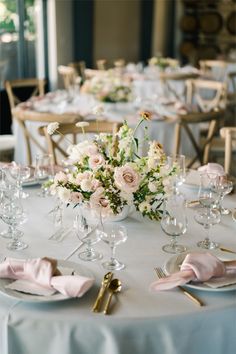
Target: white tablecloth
{"points": [[141, 321]]}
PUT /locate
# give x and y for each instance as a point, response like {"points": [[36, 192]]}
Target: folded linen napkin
{"points": [[212, 167], [200, 267], [43, 273]]}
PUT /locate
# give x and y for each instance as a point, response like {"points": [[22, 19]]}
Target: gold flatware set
{"points": [[109, 285]]}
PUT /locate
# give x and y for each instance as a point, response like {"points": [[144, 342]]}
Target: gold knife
{"points": [[192, 297], [105, 283], [227, 250]]}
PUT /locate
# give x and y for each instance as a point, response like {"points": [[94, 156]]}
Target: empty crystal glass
{"points": [[207, 217], [12, 213], [113, 234], [177, 164], [87, 224], [223, 186], [20, 174], [174, 222], [44, 170]]}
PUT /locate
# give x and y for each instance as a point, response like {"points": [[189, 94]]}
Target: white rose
{"points": [[86, 185], [63, 194], [152, 187], [126, 179]]}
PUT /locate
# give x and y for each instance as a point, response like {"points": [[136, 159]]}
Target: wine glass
{"points": [[113, 234], [176, 163], [207, 194], [12, 213], [223, 186], [207, 217], [174, 222], [86, 224], [44, 170], [20, 174]]}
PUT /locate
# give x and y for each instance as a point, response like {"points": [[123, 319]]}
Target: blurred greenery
{"points": [[9, 16]]}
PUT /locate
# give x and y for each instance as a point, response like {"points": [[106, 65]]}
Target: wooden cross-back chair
{"points": [[229, 136], [212, 118], [80, 67], [55, 142], [37, 87], [215, 69], [69, 75], [101, 64]]}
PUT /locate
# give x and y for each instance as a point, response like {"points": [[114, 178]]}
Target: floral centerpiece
{"points": [[108, 87], [108, 172]]}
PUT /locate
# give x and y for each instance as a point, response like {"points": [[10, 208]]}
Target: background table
{"points": [[141, 321]]}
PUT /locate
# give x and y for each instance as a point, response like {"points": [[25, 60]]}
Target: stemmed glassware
{"points": [[87, 224], [177, 164], [20, 174], [44, 170], [113, 234], [12, 213], [208, 215], [223, 186], [174, 222]]}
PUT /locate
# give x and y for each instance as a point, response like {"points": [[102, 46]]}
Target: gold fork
{"points": [[161, 274]]}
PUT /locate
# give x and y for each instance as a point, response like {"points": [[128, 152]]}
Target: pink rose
{"points": [[126, 179], [76, 197], [98, 199], [60, 177], [96, 161]]}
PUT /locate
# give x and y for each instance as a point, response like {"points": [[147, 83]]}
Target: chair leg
{"points": [[228, 152], [177, 136]]}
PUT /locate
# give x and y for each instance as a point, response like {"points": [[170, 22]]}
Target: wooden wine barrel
{"points": [[231, 23], [208, 51], [187, 48], [211, 22], [188, 23]]}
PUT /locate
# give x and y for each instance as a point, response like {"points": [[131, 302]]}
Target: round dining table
{"points": [[41, 112], [141, 320]]}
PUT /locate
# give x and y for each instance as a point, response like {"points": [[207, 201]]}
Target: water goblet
{"points": [[207, 217], [12, 213], [87, 225], [176, 163], [207, 194], [223, 186], [44, 170], [113, 234], [174, 222], [20, 174]]}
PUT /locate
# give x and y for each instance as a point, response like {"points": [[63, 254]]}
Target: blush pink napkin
{"points": [[212, 167], [198, 267], [40, 271]]}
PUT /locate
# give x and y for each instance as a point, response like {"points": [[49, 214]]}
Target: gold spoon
{"points": [[114, 287], [105, 283]]}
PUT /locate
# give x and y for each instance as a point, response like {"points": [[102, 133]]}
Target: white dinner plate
{"points": [[20, 296], [173, 265]]}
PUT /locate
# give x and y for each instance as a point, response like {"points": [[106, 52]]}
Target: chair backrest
{"points": [[186, 121], [80, 67], [69, 75], [206, 94], [37, 85], [229, 134], [215, 69], [101, 64], [58, 142], [232, 80]]}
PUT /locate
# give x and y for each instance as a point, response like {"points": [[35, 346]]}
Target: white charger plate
{"points": [[20, 296], [173, 265]]}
